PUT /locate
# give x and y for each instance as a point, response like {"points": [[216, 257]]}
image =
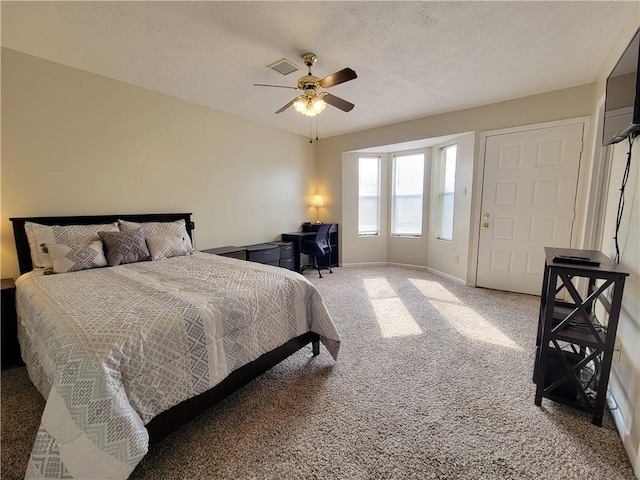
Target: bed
{"points": [[126, 353]]}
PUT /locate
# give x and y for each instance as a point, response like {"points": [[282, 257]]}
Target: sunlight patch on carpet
{"points": [[464, 319], [393, 317]]}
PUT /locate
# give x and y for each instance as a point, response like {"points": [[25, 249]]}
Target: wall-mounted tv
{"points": [[622, 101]]}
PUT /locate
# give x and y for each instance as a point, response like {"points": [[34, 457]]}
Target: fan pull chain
{"points": [[310, 128]]}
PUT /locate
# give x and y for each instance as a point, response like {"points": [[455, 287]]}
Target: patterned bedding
{"points": [[110, 348]]}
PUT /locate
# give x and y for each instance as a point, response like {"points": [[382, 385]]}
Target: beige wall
{"points": [[369, 249], [383, 248], [451, 258], [625, 371], [569, 103], [557, 105], [404, 250], [426, 250], [78, 143]]}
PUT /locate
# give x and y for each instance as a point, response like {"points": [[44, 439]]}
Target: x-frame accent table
{"points": [[572, 333]]}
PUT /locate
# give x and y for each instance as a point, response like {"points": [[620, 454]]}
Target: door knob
{"points": [[485, 225]]}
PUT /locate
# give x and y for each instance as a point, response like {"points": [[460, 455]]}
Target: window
{"points": [[448, 157], [369, 196], [408, 183]]}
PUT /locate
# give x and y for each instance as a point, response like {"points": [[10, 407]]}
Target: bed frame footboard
{"points": [[170, 420]]}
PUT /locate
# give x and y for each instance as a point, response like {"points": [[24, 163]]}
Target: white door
{"points": [[528, 202]]}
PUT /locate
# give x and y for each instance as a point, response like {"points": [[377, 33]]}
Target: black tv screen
{"points": [[622, 101]]}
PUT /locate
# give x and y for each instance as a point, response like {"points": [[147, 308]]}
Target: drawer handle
{"points": [[266, 253]]}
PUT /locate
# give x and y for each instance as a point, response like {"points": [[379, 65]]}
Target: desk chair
{"points": [[317, 248]]}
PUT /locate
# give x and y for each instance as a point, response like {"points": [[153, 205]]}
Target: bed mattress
{"points": [[111, 348]]}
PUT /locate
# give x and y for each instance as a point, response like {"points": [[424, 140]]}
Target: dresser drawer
{"points": [[288, 263], [286, 250], [264, 253], [240, 254], [233, 252]]}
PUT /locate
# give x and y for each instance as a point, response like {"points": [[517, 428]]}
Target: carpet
{"points": [[433, 381]]}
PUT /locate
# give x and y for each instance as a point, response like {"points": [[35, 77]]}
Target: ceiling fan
{"points": [[314, 99]]}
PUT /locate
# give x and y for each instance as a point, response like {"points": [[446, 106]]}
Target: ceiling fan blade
{"points": [[338, 102], [287, 106], [342, 76], [277, 86]]}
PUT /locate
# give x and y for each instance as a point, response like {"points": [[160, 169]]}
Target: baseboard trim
{"points": [[623, 432], [407, 265], [365, 264], [447, 276]]}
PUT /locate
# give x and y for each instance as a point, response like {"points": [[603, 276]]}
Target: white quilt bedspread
{"points": [[110, 348]]}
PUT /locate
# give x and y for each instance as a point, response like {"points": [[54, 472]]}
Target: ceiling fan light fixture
{"points": [[312, 101], [300, 104], [309, 105], [318, 104]]}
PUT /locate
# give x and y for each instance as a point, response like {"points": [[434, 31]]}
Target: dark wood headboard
{"points": [[22, 244]]}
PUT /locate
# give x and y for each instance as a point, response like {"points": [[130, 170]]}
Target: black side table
{"points": [[576, 336], [9, 325]]}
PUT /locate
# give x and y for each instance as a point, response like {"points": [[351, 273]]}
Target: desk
{"points": [[331, 260]]}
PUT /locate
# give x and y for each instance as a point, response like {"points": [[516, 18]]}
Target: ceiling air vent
{"points": [[284, 66]]}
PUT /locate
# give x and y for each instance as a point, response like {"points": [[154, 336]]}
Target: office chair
{"points": [[318, 248]]}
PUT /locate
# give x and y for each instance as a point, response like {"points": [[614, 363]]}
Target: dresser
{"points": [[287, 259], [266, 253], [278, 254], [233, 252]]}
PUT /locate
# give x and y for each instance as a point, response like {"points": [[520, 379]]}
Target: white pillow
{"points": [[166, 247], [160, 229], [71, 258], [39, 236]]}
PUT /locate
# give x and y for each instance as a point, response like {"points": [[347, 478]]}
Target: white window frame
{"points": [[378, 196], [442, 166], [394, 195]]}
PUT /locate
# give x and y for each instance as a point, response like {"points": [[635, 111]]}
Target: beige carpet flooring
{"points": [[433, 381]]}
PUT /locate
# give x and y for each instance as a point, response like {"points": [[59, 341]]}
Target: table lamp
{"points": [[318, 202]]}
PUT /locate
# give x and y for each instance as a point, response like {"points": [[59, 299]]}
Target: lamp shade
{"points": [[317, 201], [309, 104]]}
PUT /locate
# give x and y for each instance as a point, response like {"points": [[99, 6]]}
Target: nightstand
{"points": [[234, 252], [9, 325]]}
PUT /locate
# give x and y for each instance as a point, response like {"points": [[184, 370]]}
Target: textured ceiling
{"points": [[413, 59]]}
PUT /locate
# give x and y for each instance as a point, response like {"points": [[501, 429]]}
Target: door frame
{"points": [[476, 213]]}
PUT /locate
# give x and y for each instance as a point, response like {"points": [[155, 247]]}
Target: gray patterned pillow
{"points": [[124, 247], [39, 236], [166, 247], [160, 229], [71, 258]]}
